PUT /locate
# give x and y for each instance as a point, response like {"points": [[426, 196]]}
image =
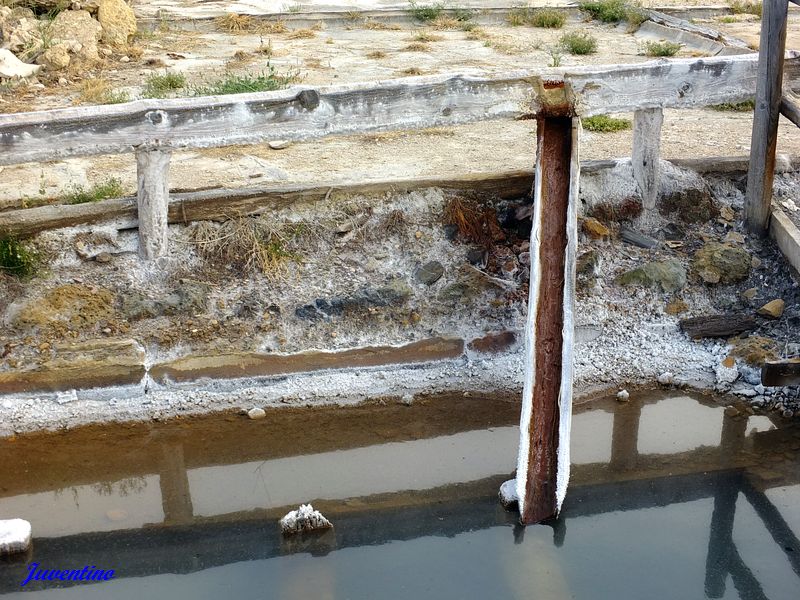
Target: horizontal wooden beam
{"points": [[303, 113], [790, 106], [684, 83], [221, 204], [292, 114]]}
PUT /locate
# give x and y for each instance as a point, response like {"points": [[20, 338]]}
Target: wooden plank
{"points": [[684, 25], [646, 154], [715, 326], [408, 103], [679, 83], [786, 372], [786, 234], [223, 204], [543, 461], [790, 106], [152, 200], [758, 196], [291, 114]]}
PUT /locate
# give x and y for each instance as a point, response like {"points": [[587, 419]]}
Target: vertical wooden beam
{"points": [[543, 461], [152, 167], [646, 153], [758, 197]]}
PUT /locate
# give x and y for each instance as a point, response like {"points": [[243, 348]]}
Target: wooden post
{"points": [[646, 153], [543, 461], [758, 197], [153, 198], [625, 436]]}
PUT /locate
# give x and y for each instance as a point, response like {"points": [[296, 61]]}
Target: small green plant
{"points": [[607, 11], [17, 259], [727, 19], [517, 16], [425, 12], [231, 83], [158, 86], [548, 18], [110, 188], [579, 42], [293, 8], [746, 106], [661, 48], [556, 54], [605, 124], [746, 7]]}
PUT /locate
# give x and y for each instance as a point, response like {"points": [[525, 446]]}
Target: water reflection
{"points": [[669, 499]]}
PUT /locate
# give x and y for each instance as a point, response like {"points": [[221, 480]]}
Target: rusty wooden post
{"points": [[543, 461], [758, 197]]}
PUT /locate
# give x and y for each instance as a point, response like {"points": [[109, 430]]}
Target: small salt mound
{"points": [[15, 536], [508, 493], [304, 518]]}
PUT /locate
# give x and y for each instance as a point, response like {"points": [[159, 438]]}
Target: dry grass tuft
{"points": [[417, 47], [268, 27], [302, 34], [377, 54], [240, 56], [394, 222], [426, 36], [370, 23], [94, 90], [235, 23], [243, 245], [444, 23], [473, 222], [411, 72]]}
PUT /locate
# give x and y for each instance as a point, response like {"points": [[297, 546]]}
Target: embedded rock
{"points": [[755, 350], [55, 58], [772, 309], [117, 21], [669, 275], [693, 205], [304, 519], [430, 272], [722, 263], [75, 306], [79, 31]]}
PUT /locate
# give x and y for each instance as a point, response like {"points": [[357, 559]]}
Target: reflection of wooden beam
{"points": [[176, 497], [777, 526], [743, 579]]}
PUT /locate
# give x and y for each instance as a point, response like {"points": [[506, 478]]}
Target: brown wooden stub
{"points": [[554, 150], [785, 372], [715, 326]]}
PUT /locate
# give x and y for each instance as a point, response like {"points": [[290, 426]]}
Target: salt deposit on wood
{"points": [[303, 519], [15, 536]]}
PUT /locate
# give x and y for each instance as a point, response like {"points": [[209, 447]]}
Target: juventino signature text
{"points": [[35, 573]]}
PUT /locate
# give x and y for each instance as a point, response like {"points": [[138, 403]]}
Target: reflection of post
{"points": [[720, 542], [175, 496], [543, 461], [732, 439], [625, 436]]}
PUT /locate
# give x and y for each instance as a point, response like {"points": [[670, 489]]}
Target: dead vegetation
{"points": [[377, 54], [301, 34], [476, 223], [417, 47], [236, 23], [243, 245]]}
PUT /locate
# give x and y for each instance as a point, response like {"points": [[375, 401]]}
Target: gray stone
{"points": [[669, 275], [256, 413], [722, 263], [430, 272]]}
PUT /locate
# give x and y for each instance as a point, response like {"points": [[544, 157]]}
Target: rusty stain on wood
{"points": [[554, 151]]}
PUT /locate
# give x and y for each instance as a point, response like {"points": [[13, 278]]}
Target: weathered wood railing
{"points": [[557, 98], [153, 128]]}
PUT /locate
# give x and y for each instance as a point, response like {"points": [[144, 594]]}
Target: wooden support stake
{"points": [[790, 106], [543, 461], [758, 197], [646, 153], [153, 198]]}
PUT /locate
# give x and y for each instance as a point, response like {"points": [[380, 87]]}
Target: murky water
{"points": [[669, 499]]}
